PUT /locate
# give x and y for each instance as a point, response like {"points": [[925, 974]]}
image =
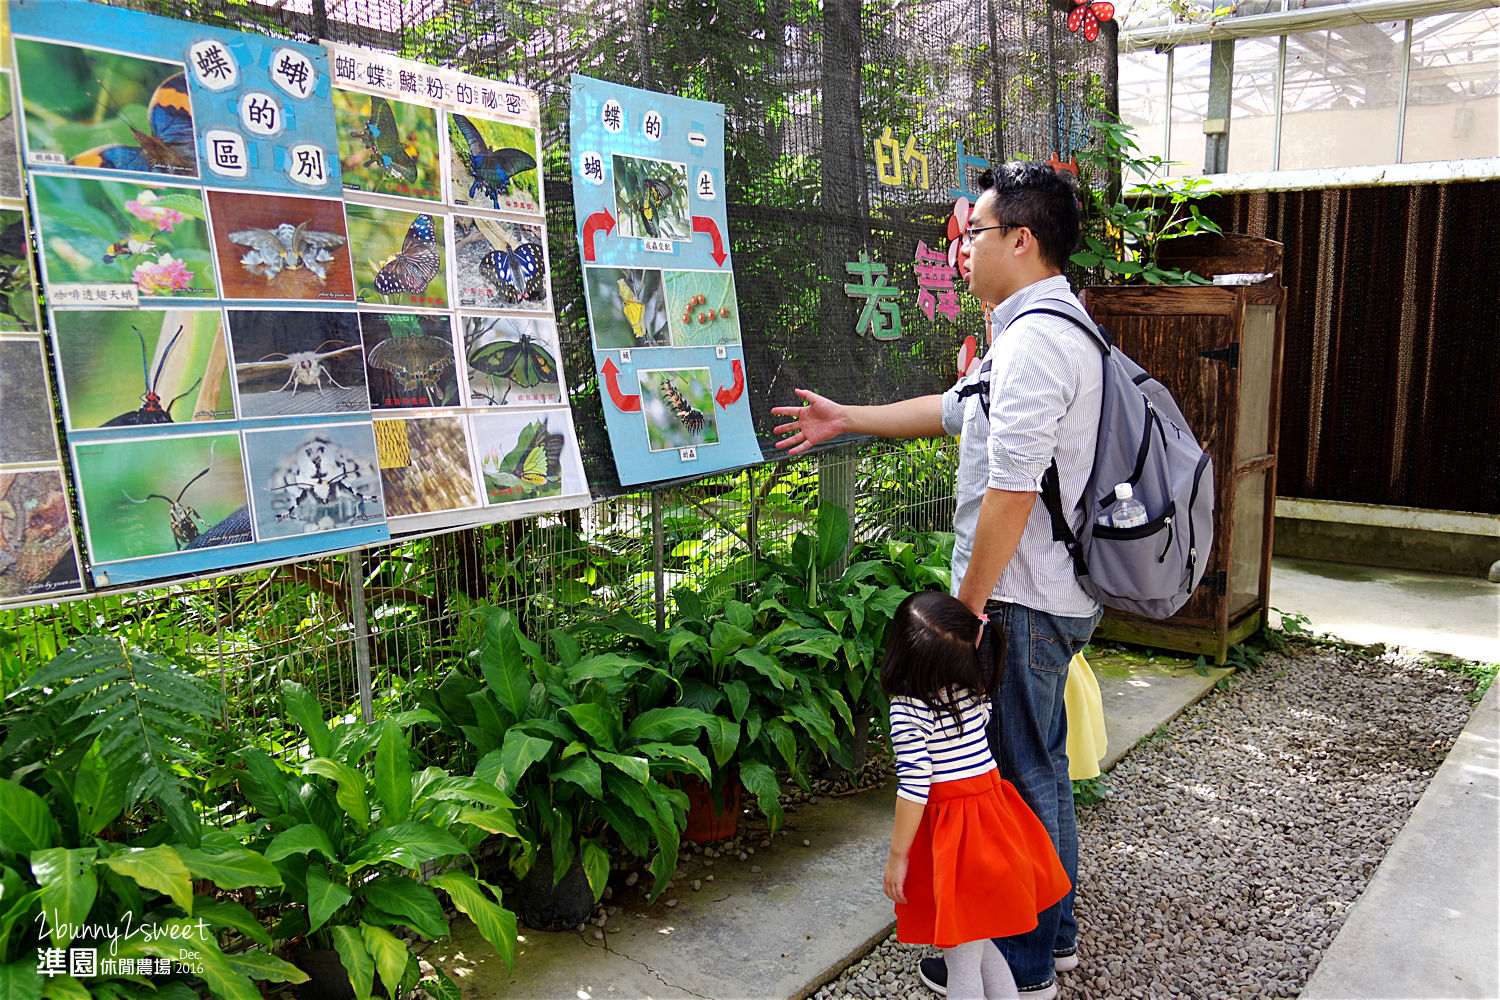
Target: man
{"points": [[1045, 384]]}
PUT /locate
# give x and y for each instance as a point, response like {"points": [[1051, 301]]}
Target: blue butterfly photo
{"points": [[105, 110], [494, 164], [500, 264], [399, 257], [387, 146]]}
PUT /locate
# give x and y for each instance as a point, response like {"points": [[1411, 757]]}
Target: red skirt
{"points": [[981, 866]]}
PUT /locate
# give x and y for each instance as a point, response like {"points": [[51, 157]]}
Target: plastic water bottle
{"points": [[1126, 511]]}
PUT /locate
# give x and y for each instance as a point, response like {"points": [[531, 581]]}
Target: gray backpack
{"points": [[1150, 570]]}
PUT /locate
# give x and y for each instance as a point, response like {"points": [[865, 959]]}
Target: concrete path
{"points": [[1426, 924]]}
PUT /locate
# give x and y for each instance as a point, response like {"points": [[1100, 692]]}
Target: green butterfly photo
{"points": [[511, 361], [387, 146]]}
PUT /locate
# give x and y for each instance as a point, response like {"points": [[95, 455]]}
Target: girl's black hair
{"points": [[931, 653]]}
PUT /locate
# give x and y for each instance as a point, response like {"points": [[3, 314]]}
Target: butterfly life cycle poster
{"points": [[38, 550], [648, 189], [200, 291], [443, 191]]}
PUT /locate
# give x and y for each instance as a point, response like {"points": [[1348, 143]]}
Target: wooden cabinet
{"points": [[1218, 348]]}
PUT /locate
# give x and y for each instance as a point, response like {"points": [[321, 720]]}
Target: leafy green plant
{"points": [[1088, 791], [1149, 209], [352, 829]]}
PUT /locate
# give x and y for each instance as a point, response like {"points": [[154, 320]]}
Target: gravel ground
{"points": [[1235, 840]]}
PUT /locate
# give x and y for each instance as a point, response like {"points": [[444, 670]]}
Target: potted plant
{"points": [[352, 831]]}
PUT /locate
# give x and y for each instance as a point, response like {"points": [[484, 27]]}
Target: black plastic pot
{"points": [[326, 977], [545, 907]]}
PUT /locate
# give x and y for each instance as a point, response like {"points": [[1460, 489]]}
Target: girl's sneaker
{"points": [[1065, 961]]}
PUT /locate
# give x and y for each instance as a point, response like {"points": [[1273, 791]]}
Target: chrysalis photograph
{"points": [[626, 307], [678, 405]]}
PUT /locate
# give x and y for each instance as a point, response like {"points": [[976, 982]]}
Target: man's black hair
{"points": [[1043, 200]]}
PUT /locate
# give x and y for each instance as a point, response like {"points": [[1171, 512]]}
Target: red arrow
{"points": [[703, 224], [623, 403], [726, 396], [599, 220]]}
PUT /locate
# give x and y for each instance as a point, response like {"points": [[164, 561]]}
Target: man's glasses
{"points": [[971, 231]]}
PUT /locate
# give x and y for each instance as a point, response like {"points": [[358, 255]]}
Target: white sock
{"points": [[994, 971], [965, 979]]}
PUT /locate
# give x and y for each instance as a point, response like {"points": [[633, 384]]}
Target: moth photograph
{"points": [[91, 108], [313, 478], [500, 264], [521, 456], [494, 164], [702, 308], [651, 199], [424, 465], [152, 496], [409, 360], [281, 247], [292, 361], [103, 232], [626, 307], [387, 146], [511, 361], [128, 368], [38, 555], [17, 283], [398, 257], [26, 431], [678, 405]]}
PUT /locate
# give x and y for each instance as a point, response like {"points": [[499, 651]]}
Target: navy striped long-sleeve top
{"points": [[930, 747]]}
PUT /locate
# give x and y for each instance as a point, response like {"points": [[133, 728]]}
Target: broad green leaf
{"points": [[99, 794], [231, 869], [69, 886], [227, 913], [26, 824], [301, 839], [738, 694], [223, 982], [20, 981], [505, 767], [65, 988], [638, 768], [389, 953], [833, 534], [159, 868], [504, 662], [407, 899], [501, 821], [324, 897], [766, 665], [495, 923], [603, 666], [355, 955], [781, 736], [723, 738], [582, 771], [595, 867], [602, 725], [683, 753], [305, 711], [351, 788], [408, 844], [663, 725], [393, 773], [261, 966], [760, 781], [442, 988], [464, 788], [725, 639]]}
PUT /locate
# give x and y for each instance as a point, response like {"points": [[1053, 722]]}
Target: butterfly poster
{"points": [[529, 456], [649, 202], [494, 164], [401, 257], [409, 360], [387, 146], [511, 361], [501, 264], [279, 247], [297, 361]]}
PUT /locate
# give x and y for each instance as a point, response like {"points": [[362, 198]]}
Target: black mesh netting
{"points": [[807, 88]]}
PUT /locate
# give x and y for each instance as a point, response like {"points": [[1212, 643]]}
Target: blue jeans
{"points": [[1028, 735]]}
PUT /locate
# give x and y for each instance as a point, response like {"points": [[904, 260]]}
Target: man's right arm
{"points": [[821, 419]]}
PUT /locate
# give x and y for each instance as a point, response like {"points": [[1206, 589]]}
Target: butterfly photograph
{"points": [[281, 247], [116, 232], [523, 457], [494, 164], [500, 264], [387, 146], [409, 360], [128, 368], [424, 465], [399, 257], [626, 307], [89, 108], [17, 284], [651, 200], [678, 405], [511, 362]]}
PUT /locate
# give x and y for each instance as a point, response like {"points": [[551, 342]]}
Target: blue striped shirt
{"points": [[931, 748]]}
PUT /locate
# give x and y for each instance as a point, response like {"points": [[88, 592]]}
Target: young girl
{"points": [[969, 861]]}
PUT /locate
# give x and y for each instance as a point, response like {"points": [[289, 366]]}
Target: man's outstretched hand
{"points": [[820, 419]]}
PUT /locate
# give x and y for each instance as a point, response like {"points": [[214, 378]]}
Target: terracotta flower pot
{"points": [[704, 822]]}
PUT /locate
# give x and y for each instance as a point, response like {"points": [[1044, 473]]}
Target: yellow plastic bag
{"points": [[1087, 739]]}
